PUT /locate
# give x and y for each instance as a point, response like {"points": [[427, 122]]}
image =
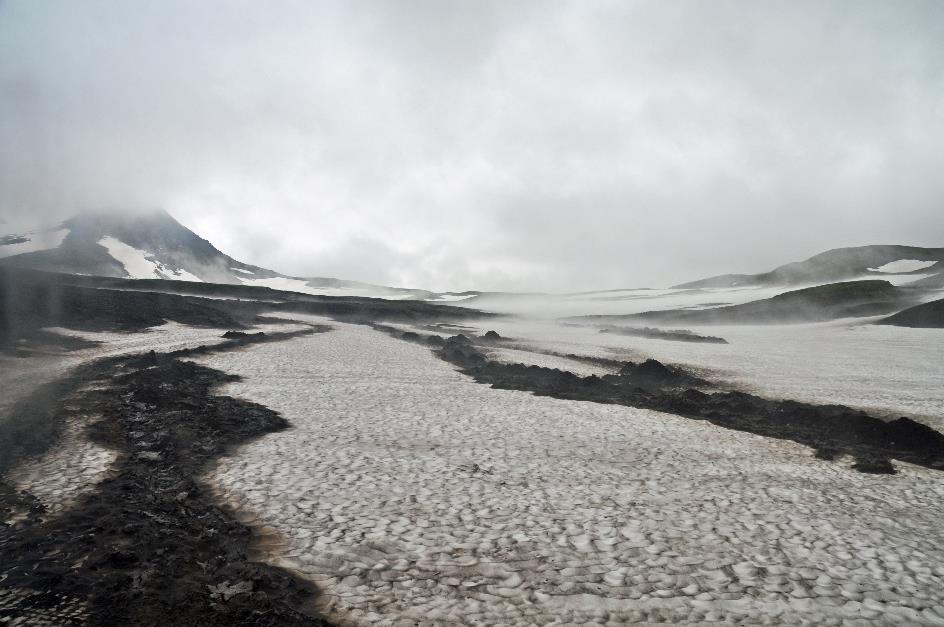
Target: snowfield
{"points": [[411, 493], [139, 265], [617, 302]]}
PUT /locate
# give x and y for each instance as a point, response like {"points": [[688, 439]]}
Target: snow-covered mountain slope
{"points": [[155, 246], [140, 246], [900, 265]]}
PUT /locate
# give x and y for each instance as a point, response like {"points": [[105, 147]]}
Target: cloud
{"points": [[490, 145]]}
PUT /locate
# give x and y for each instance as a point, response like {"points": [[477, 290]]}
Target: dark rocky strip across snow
{"points": [[150, 546], [673, 335], [833, 431]]}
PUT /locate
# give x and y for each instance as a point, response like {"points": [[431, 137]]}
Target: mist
{"points": [[532, 146]]}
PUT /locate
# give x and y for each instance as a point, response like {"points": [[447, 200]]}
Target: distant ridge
{"points": [[848, 299], [840, 264]]}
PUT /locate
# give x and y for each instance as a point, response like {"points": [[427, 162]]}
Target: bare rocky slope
{"points": [[926, 316]]}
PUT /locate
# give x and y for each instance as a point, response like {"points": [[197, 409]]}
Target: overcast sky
{"points": [[490, 145]]}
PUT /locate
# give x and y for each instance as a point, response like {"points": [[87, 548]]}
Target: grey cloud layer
{"points": [[491, 145]]}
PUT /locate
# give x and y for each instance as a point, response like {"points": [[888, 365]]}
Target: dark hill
{"points": [[927, 316]]}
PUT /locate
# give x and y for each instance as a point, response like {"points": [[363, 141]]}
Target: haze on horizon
{"points": [[534, 146]]}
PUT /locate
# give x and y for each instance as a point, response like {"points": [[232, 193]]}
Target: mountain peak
{"points": [[140, 244]]}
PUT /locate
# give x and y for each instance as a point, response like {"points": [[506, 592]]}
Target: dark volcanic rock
{"points": [[458, 349], [653, 373], [150, 546], [675, 335], [874, 466], [492, 336], [32, 300], [831, 430], [9, 240], [231, 335]]}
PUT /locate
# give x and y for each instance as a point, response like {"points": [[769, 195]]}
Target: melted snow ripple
{"points": [[411, 493]]}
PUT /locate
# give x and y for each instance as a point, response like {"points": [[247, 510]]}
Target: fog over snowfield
{"points": [[451, 145]]}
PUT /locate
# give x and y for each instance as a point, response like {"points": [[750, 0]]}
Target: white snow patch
{"points": [[38, 240], [135, 261], [139, 265], [242, 271], [903, 265]]}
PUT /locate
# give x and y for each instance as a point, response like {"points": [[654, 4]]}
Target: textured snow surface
{"points": [[66, 472], [140, 265], [41, 239], [893, 370], [904, 265], [411, 493]]}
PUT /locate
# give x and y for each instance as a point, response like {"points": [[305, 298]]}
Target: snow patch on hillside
{"points": [[35, 241], [139, 265], [904, 265]]}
